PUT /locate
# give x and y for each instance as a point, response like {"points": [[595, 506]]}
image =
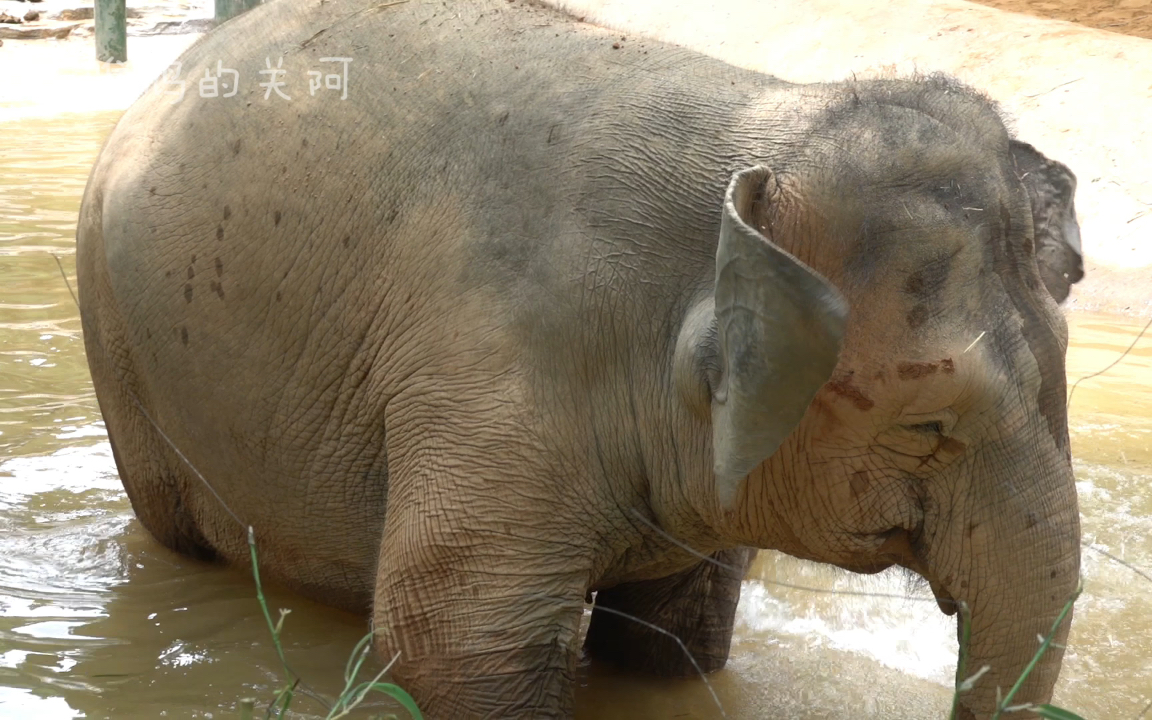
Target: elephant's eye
{"points": [[924, 444], [940, 422], [915, 441], [929, 428]]}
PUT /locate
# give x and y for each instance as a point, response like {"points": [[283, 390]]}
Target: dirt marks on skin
{"points": [[842, 386], [915, 370]]}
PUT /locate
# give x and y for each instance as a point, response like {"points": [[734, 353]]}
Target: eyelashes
{"points": [[929, 428]]}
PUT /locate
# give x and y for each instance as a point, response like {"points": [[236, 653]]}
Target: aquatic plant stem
{"points": [[284, 697], [962, 660], [1044, 645]]}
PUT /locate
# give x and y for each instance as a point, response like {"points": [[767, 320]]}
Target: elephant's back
{"points": [[426, 133], [247, 223], [455, 179]]}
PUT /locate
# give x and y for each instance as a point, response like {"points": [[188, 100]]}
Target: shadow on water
{"points": [[98, 621]]}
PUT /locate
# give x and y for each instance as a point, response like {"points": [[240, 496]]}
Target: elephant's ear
{"points": [[1051, 189], [779, 330]]}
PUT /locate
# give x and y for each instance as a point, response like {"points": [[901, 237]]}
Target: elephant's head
{"points": [[936, 437]]}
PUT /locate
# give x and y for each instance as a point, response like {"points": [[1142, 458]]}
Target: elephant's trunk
{"points": [[1014, 559]]}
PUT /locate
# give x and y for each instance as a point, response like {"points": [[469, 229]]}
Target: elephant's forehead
{"points": [[921, 306], [919, 245]]}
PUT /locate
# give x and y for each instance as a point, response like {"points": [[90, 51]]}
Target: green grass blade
{"points": [[1055, 713], [351, 697], [280, 704], [359, 654], [398, 694], [287, 693], [1039, 653], [962, 662]]}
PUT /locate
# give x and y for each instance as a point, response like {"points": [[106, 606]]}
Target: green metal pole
{"points": [[111, 31], [228, 9]]}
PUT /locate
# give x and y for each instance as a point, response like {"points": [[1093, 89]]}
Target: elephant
{"points": [[511, 312]]}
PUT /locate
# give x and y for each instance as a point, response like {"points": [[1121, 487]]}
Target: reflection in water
{"points": [[98, 621]]}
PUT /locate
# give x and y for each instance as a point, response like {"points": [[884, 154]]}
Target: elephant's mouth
{"points": [[891, 547], [901, 546], [898, 547], [944, 600], [866, 568]]}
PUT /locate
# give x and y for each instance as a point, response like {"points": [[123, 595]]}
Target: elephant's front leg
{"points": [[482, 606], [698, 606]]}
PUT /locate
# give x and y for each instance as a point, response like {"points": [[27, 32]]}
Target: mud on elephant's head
{"points": [[939, 441]]}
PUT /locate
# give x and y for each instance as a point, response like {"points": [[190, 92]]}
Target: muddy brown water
{"points": [[98, 621]]}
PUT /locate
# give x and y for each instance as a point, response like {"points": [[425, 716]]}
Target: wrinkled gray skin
{"points": [[455, 345]]}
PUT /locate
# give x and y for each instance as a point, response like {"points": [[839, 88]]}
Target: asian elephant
{"points": [[517, 312]]}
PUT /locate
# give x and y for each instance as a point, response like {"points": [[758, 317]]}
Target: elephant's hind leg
{"points": [[698, 606], [151, 472]]}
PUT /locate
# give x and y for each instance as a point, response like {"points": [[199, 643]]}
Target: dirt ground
{"points": [[1130, 17]]}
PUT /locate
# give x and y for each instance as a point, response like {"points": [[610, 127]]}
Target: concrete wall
{"points": [[1082, 96]]}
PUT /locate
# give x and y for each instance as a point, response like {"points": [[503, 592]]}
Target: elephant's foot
{"points": [[480, 644], [697, 607]]}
